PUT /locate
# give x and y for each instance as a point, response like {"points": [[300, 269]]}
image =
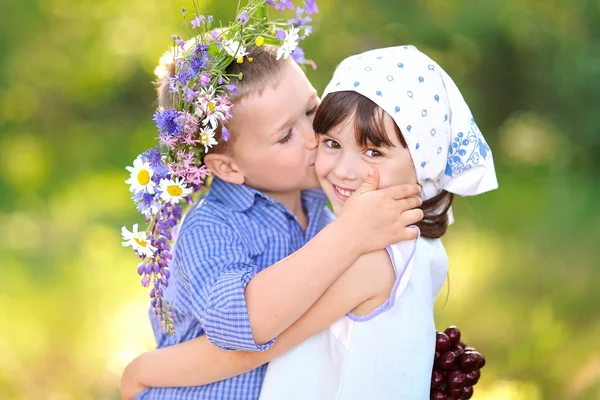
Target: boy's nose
{"points": [[310, 138]]}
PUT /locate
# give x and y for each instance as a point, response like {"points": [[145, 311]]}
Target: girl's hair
{"points": [[369, 129], [264, 69]]}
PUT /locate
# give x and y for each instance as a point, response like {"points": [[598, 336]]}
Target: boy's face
{"points": [[342, 164], [276, 145]]}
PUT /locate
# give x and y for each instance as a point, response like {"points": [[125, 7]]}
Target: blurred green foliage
{"points": [[75, 108]]}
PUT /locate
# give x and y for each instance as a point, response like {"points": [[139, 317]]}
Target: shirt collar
{"points": [[236, 197], [240, 198]]}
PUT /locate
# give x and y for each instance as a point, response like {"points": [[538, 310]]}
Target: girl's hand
{"points": [[131, 386]]}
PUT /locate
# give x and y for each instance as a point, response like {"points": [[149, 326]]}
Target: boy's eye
{"points": [[332, 144], [287, 137], [311, 111], [373, 153]]}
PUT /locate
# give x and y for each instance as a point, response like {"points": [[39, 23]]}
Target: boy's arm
{"points": [[370, 220], [197, 362]]}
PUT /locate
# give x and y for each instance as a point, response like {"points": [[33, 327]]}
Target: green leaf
{"points": [[213, 50]]}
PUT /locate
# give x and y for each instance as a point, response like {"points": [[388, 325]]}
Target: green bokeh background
{"points": [[75, 108]]}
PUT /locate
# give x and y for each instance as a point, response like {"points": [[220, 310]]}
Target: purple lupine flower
{"points": [[225, 133], [232, 89], [189, 95], [311, 6], [196, 22], [166, 122], [298, 55], [280, 35], [243, 17], [204, 79], [299, 21], [183, 12], [307, 31], [210, 19]]}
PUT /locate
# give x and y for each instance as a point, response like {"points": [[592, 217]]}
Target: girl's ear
{"points": [[224, 167]]}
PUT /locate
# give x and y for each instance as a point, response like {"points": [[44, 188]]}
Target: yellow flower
{"points": [[260, 41], [250, 59], [240, 60]]}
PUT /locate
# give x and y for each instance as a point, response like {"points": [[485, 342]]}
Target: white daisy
{"points": [[211, 112], [141, 176], [207, 138], [290, 42], [234, 48], [138, 241], [172, 191]]}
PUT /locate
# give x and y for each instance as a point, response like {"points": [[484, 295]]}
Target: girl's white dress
{"points": [[387, 354]]}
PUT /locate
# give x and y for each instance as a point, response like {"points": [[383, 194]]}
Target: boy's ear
{"points": [[224, 167]]}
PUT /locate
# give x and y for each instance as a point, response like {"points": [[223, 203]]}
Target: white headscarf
{"points": [[447, 148]]}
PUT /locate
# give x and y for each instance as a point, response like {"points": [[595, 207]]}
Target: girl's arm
{"points": [[197, 362]]}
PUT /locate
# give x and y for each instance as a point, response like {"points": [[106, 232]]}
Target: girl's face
{"points": [[342, 164]]}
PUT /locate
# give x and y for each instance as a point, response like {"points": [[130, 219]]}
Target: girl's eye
{"points": [[287, 137], [332, 144], [311, 111], [373, 153]]}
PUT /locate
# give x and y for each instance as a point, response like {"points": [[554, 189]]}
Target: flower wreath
{"points": [[166, 176]]}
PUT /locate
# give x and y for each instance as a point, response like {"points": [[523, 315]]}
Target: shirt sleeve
{"points": [[215, 270]]}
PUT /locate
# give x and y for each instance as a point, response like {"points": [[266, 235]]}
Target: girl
{"points": [[395, 110]]}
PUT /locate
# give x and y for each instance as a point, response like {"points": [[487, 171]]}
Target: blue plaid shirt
{"points": [[233, 233]]}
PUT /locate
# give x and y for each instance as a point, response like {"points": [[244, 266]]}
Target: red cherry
{"points": [[472, 377], [469, 361], [481, 361], [446, 361], [442, 342], [467, 392], [459, 351], [438, 395], [456, 379], [437, 379], [453, 333], [455, 394]]}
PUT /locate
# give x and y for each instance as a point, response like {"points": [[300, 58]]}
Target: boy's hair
{"points": [[264, 69], [369, 128]]}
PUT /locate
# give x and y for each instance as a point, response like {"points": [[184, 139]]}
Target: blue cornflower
{"points": [[153, 157], [167, 122]]}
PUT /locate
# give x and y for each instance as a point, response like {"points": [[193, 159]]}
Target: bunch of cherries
{"points": [[455, 368]]}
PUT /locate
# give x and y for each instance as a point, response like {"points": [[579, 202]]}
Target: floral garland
{"points": [[164, 177]]}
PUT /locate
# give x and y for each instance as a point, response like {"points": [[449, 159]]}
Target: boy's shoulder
{"points": [[222, 212]]}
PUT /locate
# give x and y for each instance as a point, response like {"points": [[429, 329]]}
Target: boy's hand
{"points": [[379, 218], [130, 384]]}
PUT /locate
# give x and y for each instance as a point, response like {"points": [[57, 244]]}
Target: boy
{"points": [[260, 209]]}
